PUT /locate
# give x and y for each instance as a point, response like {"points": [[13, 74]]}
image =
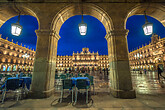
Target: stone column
{"points": [[44, 64], [120, 76]]}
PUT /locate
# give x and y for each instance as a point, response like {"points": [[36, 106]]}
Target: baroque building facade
{"points": [[146, 57], [12, 59], [150, 56], [85, 59]]}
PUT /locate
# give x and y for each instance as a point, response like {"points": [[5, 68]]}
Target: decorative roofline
{"points": [[16, 44]]}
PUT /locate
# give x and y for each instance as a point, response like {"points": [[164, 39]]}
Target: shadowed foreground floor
{"points": [[100, 101]]}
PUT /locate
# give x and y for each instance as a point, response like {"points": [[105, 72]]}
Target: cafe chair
{"points": [[62, 76], [57, 81], [29, 75], [68, 75], [24, 75], [86, 75], [8, 76], [71, 74], [79, 75], [1, 75], [92, 83], [2, 81], [26, 83], [12, 85], [82, 84], [66, 85]]}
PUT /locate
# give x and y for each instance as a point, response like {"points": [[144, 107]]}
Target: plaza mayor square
{"points": [[82, 54]]}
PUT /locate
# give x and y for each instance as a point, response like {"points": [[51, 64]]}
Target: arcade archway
{"points": [[117, 52]]}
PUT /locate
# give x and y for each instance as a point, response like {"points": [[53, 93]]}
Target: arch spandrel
{"points": [[88, 9], [155, 10], [8, 11]]}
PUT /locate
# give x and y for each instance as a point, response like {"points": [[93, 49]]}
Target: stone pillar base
{"points": [[41, 94], [123, 94]]}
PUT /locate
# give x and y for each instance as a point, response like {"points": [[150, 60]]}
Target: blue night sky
{"points": [[71, 40]]}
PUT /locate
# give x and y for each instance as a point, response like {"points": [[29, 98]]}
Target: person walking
{"points": [[160, 73], [140, 71], [145, 71]]}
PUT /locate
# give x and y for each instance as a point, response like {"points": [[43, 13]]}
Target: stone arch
{"points": [[8, 11], [46, 52], [75, 9], [156, 11], [117, 46]]}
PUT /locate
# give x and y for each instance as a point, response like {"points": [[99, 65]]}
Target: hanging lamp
{"points": [[147, 27], [82, 26], [16, 28]]}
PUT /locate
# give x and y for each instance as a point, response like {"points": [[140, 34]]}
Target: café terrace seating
{"points": [[67, 84], [18, 85], [68, 81], [74, 82], [12, 85], [82, 84], [92, 83]]}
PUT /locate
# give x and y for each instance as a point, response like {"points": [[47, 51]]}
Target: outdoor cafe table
{"points": [[25, 80], [74, 80]]}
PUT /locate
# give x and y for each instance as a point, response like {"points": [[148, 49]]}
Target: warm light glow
{"points": [[16, 29], [135, 56], [25, 56], [83, 28], [148, 28]]}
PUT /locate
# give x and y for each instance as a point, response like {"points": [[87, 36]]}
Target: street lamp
{"points": [[16, 28], [147, 27], [82, 26]]}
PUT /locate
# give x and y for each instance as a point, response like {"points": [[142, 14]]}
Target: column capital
{"points": [[54, 34], [47, 33], [117, 33]]}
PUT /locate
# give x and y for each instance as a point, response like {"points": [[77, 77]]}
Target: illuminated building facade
{"points": [[147, 57], [14, 57], [84, 59], [150, 56]]}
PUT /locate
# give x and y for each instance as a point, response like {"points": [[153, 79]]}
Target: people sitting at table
{"points": [[21, 73]]}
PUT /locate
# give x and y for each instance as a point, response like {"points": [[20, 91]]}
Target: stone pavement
{"points": [[100, 101], [148, 83], [150, 96]]}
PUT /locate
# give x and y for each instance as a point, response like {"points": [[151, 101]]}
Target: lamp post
{"points": [[147, 27], [82, 26]]}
